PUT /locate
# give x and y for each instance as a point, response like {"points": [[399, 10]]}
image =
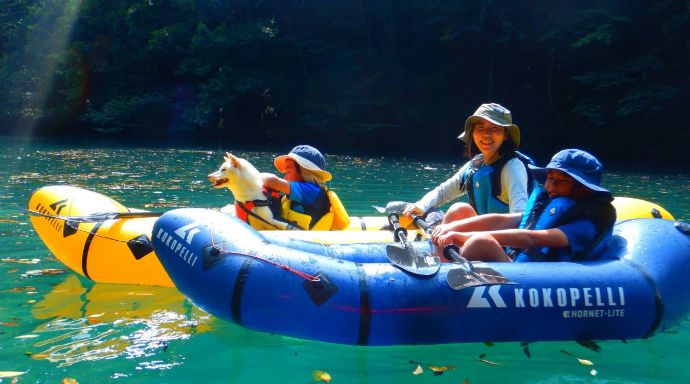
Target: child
{"points": [[303, 184], [571, 218], [496, 179]]}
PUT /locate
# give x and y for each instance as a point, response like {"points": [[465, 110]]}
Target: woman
{"points": [[496, 179], [306, 200]]}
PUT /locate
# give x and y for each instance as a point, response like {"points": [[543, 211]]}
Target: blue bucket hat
{"points": [[308, 158], [578, 164]]}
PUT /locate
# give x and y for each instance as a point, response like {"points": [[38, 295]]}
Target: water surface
{"points": [[58, 325]]}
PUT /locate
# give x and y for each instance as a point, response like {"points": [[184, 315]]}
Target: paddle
{"points": [[405, 256], [99, 216], [467, 275]]}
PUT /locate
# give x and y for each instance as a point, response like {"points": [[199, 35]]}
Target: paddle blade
{"points": [[460, 278], [391, 207], [407, 259]]}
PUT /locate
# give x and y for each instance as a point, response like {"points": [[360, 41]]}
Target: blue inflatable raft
{"points": [[352, 294]]}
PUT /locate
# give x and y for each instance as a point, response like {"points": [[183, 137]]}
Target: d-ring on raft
{"points": [[352, 294]]}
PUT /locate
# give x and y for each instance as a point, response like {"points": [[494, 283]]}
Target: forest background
{"points": [[390, 77]]}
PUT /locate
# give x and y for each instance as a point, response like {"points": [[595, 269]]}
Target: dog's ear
{"points": [[234, 160], [227, 156]]}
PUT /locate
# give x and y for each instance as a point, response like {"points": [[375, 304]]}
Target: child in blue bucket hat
{"points": [[305, 173], [568, 218]]}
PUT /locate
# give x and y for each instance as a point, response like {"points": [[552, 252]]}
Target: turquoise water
{"points": [[55, 324]]}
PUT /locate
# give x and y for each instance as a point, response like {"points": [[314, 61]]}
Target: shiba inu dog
{"points": [[244, 181]]}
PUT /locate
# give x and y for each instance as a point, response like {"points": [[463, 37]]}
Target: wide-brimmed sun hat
{"points": [[308, 158], [496, 114], [580, 165]]}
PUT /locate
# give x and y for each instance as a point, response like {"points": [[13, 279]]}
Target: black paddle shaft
{"points": [[399, 232], [420, 223]]}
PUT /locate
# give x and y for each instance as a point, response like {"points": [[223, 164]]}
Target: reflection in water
{"points": [[103, 321]]}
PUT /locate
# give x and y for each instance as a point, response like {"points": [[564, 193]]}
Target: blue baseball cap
{"points": [[308, 158], [578, 164]]}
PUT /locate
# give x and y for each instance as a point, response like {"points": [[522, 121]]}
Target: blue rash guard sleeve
{"points": [[303, 193], [580, 233]]}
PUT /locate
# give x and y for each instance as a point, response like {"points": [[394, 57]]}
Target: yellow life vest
{"points": [[335, 219]]}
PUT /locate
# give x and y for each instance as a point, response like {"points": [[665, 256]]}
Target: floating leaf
{"points": [[9, 323], [442, 368], [584, 361], [4, 374], [44, 272], [29, 336], [489, 362], [319, 375], [69, 380], [418, 370], [21, 261], [20, 289]]}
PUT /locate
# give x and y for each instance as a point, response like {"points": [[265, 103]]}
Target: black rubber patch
{"points": [[682, 227], [140, 246], [655, 213], [212, 256], [69, 228], [320, 291]]}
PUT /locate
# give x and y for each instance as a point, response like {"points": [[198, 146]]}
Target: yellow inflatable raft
{"points": [[107, 242]]}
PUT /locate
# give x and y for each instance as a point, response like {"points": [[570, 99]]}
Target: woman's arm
{"points": [[447, 191], [514, 185]]}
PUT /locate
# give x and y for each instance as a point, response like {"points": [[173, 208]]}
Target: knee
{"points": [[483, 247], [459, 211], [482, 240]]}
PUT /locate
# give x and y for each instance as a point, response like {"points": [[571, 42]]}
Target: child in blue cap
{"points": [[303, 184], [569, 218]]}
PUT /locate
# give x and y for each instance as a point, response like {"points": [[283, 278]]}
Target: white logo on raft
{"points": [[176, 246], [188, 236], [592, 298]]}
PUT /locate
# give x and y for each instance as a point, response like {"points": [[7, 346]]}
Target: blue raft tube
{"points": [[352, 294]]}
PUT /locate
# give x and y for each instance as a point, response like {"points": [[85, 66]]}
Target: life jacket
{"points": [[483, 182], [243, 210], [336, 218], [543, 212]]}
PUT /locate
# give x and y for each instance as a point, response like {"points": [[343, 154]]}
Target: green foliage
{"points": [[386, 75]]}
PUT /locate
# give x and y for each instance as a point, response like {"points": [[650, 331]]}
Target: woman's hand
{"points": [[413, 210]]}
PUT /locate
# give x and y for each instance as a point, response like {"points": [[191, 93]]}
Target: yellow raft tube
{"points": [[118, 250]]}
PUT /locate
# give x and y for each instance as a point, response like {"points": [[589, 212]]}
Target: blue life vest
{"points": [[483, 182], [544, 212]]}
